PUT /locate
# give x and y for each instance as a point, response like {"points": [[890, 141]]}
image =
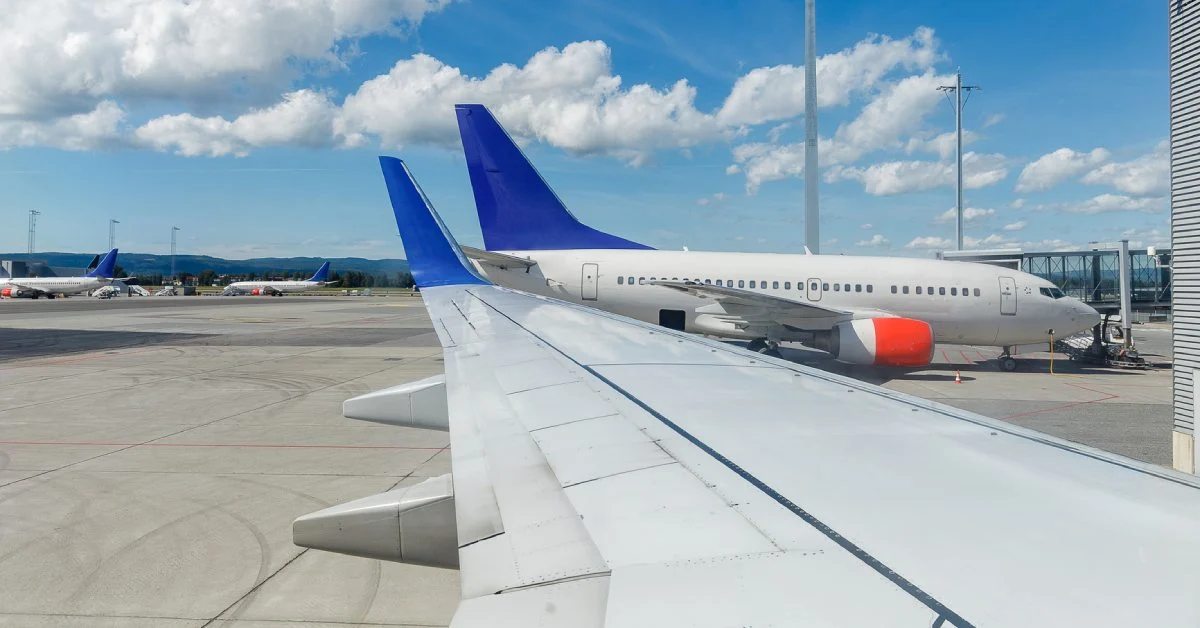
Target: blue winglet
{"points": [[322, 273], [517, 210], [107, 266], [434, 258]]}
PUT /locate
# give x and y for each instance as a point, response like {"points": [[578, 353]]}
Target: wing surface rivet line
{"points": [[900, 581]]}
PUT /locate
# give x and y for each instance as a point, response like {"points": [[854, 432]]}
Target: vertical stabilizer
{"points": [[517, 210], [107, 266], [322, 274]]}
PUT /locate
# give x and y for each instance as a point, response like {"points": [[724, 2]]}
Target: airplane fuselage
{"points": [[282, 287], [964, 303], [55, 285]]}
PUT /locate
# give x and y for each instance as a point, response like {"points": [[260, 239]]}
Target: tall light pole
{"points": [[33, 214], [174, 229], [812, 220], [958, 88], [112, 233]]}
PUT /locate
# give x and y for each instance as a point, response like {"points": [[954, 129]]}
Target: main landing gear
{"points": [[1006, 362], [765, 347]]}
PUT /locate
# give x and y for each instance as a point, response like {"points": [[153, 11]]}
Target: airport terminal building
{"points": [[1184, 27]]}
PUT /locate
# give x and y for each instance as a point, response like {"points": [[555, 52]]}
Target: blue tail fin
{"points": [[517, 210], [107, 266], [322, 273], [434, 258]]}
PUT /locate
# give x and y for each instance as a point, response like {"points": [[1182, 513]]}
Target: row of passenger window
{"points": [[825, 286]]}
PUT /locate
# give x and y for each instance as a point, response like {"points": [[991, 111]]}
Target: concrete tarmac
{"points": [[154, 451], [153, 457]]}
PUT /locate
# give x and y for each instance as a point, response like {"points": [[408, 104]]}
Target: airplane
{"points": [[279, 288], [606, 471], [862, 310], [50, 287]]}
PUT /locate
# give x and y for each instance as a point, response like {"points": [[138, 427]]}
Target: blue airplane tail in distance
{"points": [[107, 266], [322, 273], [517, 210]]}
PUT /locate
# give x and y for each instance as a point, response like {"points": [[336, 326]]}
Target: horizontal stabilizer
{"points": [[499, 260], [416, 404], [414, 525]]}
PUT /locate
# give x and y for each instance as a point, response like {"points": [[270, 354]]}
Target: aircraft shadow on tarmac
{"points": [[35, 343]]}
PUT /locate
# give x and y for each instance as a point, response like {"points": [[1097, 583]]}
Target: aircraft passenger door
{"points": [[814, 289], [1008, 296], [591, 274]]}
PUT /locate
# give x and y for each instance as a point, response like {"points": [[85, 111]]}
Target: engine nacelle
{"points": [[257, 292], [7, 292], [883, 342]]}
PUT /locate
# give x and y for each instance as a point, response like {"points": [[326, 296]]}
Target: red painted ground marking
{"points": [[247, 445], [1106, 397], [946, 357], [965, 358]]}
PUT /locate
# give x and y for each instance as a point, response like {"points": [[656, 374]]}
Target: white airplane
{"points": [[50, 287], [279, 288], [610, 472], [862, 310]]}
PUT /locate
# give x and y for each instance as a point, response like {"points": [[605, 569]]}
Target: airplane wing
{"points": [[608, 472], [746, 308], [499, 260]]}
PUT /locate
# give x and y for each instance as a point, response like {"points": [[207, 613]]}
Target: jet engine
{"points": [[7, 292], [257, 292], [880, 342]]}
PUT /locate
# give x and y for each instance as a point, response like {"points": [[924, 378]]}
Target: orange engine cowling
{"points": [[257, 292], [883, 342], [6, 292]]}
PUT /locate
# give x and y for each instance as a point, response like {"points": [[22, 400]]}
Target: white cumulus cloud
{"points": [[777, 92], [876, 240], [929, 243], [970, 214], [1105, 203], [1148, 175], [899, 177], [66, 56], [1016, 226], [1053, 168]]}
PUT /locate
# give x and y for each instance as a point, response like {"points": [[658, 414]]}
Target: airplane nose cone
{"points": [[1084, 316]]}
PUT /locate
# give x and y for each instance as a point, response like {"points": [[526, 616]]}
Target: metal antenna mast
{"points": [[812, 220], [112, 233], [33, 214], [959, 101], [173, 231]]}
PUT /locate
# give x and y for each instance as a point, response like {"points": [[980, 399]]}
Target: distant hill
{"points": [[145, 263]]}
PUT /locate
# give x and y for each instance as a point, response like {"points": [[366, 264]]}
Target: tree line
{"points": [[346, 279]]}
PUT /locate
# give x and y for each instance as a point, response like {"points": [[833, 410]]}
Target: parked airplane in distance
{"points": [[862, 310], [50, 287], [279, 288], [609, 472]]}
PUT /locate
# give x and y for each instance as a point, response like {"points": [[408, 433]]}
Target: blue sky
{"points": [[254, 127]]}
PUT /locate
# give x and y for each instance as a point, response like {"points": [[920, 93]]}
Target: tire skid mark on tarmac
{"points": [[206, 424]]}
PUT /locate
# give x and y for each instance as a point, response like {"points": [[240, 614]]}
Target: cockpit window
{"points": [[1053, 293]]}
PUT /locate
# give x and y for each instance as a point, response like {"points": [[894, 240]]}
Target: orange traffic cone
{"points": [[957, 377]]}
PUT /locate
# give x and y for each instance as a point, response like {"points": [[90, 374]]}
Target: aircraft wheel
{"points": [[1007, 363], [758, 345], [35, 295]]}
